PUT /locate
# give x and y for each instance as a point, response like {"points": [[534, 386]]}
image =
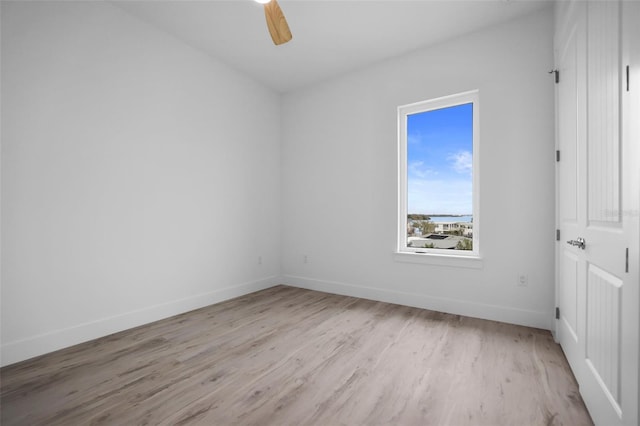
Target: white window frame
{"points": [[430, 255]]}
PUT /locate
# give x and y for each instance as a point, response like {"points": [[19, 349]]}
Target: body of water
{"points": [[441, 219]]}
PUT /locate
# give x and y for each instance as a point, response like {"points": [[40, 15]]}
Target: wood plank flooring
{"points": [[288, 356]]}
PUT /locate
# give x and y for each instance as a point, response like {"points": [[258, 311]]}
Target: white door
{"points": [[597, 193], [571, 116], [571, 113]]}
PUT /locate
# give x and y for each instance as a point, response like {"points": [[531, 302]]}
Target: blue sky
{"points": [[439, 161]]}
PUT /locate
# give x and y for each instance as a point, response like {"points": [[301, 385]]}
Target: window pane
{"points": [[439, 178]]}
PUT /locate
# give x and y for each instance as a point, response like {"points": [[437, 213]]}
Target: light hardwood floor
{"points": [[287, 356]]}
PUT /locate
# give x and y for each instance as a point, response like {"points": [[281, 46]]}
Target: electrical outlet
{"points": [[523, 280], [259, 260], [305, 259]]}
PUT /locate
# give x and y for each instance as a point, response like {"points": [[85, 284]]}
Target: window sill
{"points": [[454, 261]]}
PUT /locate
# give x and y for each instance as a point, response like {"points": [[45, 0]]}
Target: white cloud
{"points": [[416, 137], [462, 162], [417, 169], [440, 196], [413, 139]]}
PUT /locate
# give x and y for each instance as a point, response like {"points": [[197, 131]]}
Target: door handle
{"points": [[580, 243]]}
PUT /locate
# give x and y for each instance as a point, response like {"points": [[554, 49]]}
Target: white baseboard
{"points": [[21, 350], [537, 319]]}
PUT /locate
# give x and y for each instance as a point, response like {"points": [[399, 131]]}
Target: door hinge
{"points": [[626, 261], [627, 78], [557, 235], [557, 312], [557, 155]]}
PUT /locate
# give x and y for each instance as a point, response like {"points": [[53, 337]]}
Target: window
{"points": [[438, 177]]}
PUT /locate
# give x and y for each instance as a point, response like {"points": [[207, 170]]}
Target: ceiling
{"points": [[330, 37]]}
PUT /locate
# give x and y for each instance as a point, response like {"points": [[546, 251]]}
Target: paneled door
{"points": [[597, 206]]}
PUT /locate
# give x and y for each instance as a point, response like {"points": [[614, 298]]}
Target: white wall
{"points": [[340, 176], [140, 178]]}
